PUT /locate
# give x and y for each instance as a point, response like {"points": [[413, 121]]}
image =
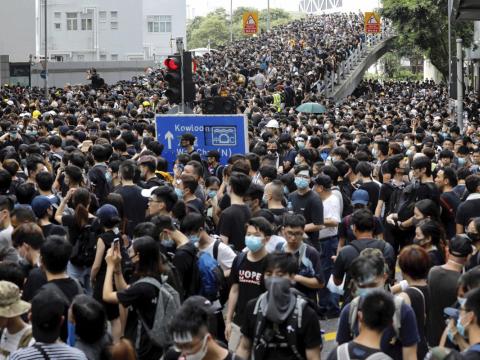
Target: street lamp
{"points": [[46, 54]]}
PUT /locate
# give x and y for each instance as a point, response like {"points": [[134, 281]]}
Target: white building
{"points": [[91, 30], [328, 6]]}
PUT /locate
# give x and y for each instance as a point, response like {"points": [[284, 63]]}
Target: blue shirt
{"points": [[389, 344]]}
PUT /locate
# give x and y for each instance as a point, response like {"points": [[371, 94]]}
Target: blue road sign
{"points": [[43, 74], [226, 133]]}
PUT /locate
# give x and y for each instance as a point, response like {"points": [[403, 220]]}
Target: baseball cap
{"points": [[107, 213], [48, 308], [360, 197], [40, 205], [460, 245], [10, 303]]}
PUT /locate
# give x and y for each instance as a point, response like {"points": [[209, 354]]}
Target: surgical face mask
{"points": [[461, 301], [179, 193], [265, 199], [194, 238], [285, 190], [409, 152], [212, 194], [407, 144], [201, 353], [108, 176], [253, 243], [301, 183], [297, 160], [460, 327], [366, 291], [374, 153], [461, 162], [301, 145], [168, 243]]}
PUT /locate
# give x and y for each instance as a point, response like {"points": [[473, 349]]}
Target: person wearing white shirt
{"points": [[328, 302]]}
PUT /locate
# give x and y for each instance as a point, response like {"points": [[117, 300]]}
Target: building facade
{"points": [[92, 30]]}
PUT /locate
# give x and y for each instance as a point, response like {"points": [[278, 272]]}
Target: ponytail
{"points": [[81, 216]]}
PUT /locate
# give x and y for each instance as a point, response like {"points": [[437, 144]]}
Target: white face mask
{"points": [[201, 353]]}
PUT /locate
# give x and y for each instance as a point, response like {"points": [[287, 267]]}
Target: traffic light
{"points": [[219, 105], [173, 76]]}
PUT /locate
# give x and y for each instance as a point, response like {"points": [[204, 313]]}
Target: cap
{"points": [[360, 197], [272, 124], [451, 312], [460, 245], [146, 103], [10, 303], [148, 192], [107, 213], [40, 205], [198, 301], [147, 159], [48, 308]]}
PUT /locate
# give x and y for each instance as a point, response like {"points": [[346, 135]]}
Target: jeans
{"points": [[328, 301], [82, 274]]}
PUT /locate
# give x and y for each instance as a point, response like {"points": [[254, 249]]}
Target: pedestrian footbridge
{"points": [[349, 73]]}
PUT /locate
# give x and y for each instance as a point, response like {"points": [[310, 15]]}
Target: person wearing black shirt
{"points": [[191, 335], [446, 180], [246, 276], [134, 204], [270, 318], [187, 187], [307, 203], [231, 225], [364, 173], [148, 165], [469, 208]]}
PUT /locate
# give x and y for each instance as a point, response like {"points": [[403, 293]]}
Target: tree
{"points": [[424, 24], [216, 26]]}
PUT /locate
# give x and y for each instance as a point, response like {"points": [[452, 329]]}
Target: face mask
{"points": [[473, 236], [167, 243], [301, 183], [301, 145], [409, 152], [108, 176], [374, 153], [366, 291], [297, 160], [201, 354], [265, 199], [407, 144], [179, 193], [460, 327], [194, 238], [461, 162], [461, 301], [253, 243], [416, 221], [212, 194], [285, 190]]}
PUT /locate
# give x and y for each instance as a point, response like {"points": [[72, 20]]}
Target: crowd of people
{"points": [[104, 254]]}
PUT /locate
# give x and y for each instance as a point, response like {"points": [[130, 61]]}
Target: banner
{"points": [[250, 23], [372, 23]]}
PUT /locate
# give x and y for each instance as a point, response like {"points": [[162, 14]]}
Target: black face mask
{"points": [[474, 236]]}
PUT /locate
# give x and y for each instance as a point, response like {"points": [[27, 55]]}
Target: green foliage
{"points": [[423, 24], [216, 26]]}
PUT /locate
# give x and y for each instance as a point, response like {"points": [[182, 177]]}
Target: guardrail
{"points": [[332, 78]]}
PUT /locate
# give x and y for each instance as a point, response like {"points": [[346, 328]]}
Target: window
{"points": [[87, 24], [80, 57], [103, 57], [114, 14], [72, 21], [114, 57], [159, 23], [102, 16], [58, 26], [114, 25], [58, 15]]}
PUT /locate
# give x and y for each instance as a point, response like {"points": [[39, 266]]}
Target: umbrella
{"points": [[311, 107]]}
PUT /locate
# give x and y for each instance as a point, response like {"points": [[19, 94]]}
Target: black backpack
{"points": [[85, 247], [406, 203]]}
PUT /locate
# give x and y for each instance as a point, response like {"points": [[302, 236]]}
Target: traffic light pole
{"points": [[180, 50]]}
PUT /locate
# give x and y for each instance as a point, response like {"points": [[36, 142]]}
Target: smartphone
{"points": [[116, 242]]}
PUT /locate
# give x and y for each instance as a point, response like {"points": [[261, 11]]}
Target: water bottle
{"points": [[290, 207]]}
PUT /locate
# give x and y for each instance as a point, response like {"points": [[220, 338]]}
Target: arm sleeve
{"points": [[342, 229], [408, 330], [316, 208], [338, 266], [317, 268], [224, 225], [311, 329], [343, 331], [225, 256], [234, 273]]}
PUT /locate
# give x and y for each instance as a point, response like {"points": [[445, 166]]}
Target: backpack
{"points": [[343, 354], [262, 338], [397, 316], [394, 200], [225, 288], [167, 305], [85, 247], [347, 203], [212, 279], [100, 185], [407, 200]]}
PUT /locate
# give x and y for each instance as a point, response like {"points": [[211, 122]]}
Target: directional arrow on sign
{"points": [[169, 138]]}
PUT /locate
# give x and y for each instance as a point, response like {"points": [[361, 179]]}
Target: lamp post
{"points": [[46, 54]]}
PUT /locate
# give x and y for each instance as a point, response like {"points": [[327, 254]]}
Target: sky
{"points": [[202, 7]]}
